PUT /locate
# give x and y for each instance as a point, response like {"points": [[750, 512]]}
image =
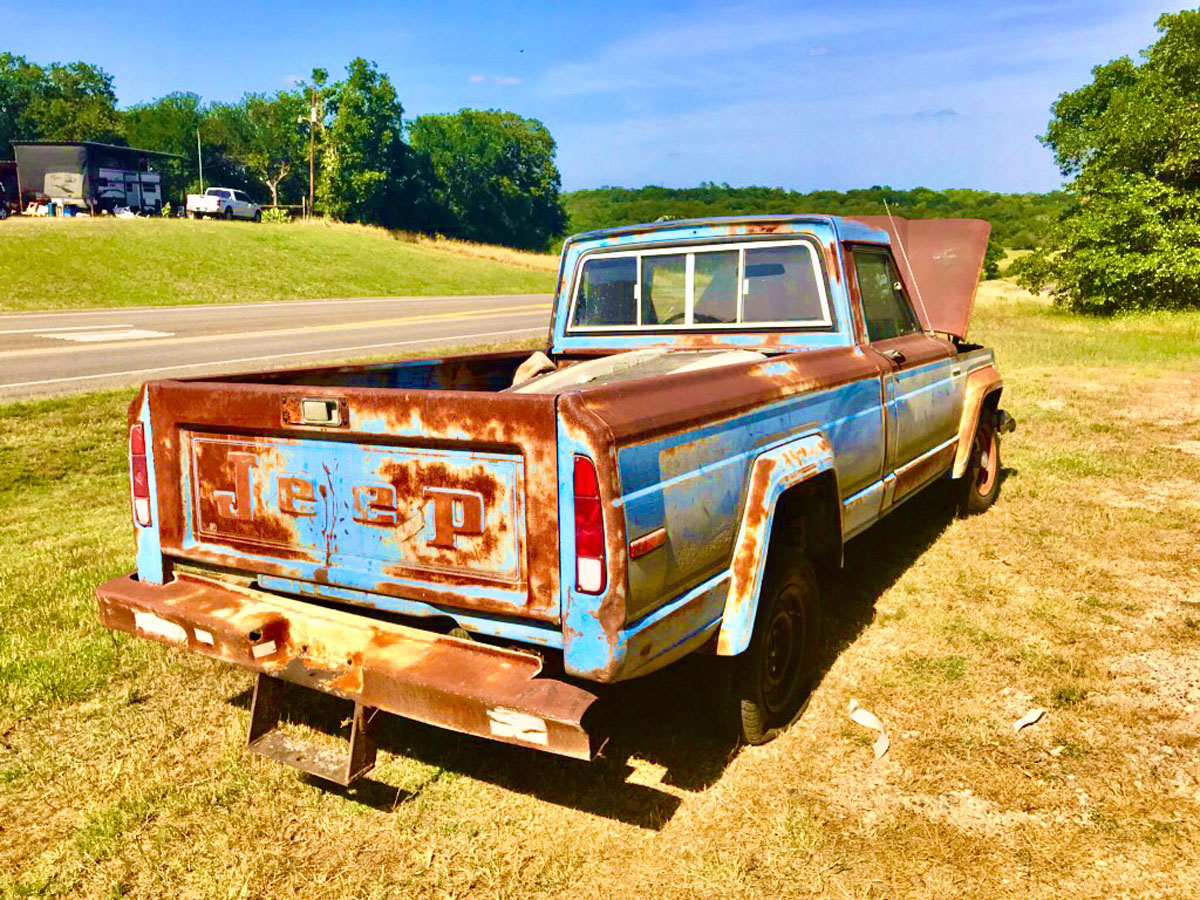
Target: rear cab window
{"points": [[745, 285]]}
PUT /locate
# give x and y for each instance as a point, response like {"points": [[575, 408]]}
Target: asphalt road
{"points": [[42, 354]]}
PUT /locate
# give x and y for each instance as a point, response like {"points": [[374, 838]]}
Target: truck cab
{"points": [[479, 542]]}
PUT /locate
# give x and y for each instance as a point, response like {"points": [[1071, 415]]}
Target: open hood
{"points": [[944, 260]]}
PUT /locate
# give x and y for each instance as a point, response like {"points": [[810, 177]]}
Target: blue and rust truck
{"points": [[478, 542]]}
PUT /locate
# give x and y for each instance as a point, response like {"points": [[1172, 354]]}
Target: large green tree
{"points": [[1130, 139], [62, 101], [274, 139], [493, 177], [364, 158]]}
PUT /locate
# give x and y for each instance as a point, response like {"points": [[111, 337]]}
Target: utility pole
{"points": [[312, 156], [315, 115], [199, 160]]}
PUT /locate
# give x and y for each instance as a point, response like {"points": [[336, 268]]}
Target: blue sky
{"points": [[794, 94]]}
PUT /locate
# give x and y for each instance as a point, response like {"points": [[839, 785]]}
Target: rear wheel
{"points": [[980, 484], [228, 213], [197, 215], [774, 678], [258, 215]]}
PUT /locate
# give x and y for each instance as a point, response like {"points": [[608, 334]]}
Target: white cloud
{"points": [[500, 80]]}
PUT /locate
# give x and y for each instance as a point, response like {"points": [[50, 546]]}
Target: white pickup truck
{"points": [[223, 203]]}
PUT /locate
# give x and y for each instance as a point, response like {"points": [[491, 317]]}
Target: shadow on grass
{"points": [[667, 719]]}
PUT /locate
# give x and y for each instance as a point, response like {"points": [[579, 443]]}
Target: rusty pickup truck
{"points": [[479, 542]]}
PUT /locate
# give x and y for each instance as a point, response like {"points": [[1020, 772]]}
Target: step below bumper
{"points": [[453, 683]]}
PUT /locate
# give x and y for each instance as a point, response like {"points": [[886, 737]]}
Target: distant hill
{"points": [[1018, 220]]}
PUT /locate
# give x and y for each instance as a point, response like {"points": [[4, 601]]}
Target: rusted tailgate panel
{"points": [[423, 445], [462, 685]]}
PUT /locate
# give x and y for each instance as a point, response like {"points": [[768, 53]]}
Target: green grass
{"points": [[80, 264], [62, 467], [123, 770]]}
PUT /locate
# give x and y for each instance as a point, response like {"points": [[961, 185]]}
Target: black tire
{"points": [[774, 678], [197, 216], [980, 484], [228, 213], [258, 215]]}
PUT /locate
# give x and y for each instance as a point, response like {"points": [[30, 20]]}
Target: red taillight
{"points": [[139, 475], [591, 573]]}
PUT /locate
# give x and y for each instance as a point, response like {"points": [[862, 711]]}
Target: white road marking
{"points": [[88, 337], [247, 359], [217, 307], [64, 328], [260, 334]]}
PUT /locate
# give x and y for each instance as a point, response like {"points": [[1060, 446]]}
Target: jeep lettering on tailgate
{"points": [[424, 509]]}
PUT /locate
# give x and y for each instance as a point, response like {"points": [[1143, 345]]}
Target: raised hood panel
{"points": [[944, 260]]}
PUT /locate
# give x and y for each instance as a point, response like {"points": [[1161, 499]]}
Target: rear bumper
{"points": [[458, 684]]}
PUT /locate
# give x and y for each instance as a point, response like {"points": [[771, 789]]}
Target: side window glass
{"points": [[606, 292], [884, 306], [664, 289], [715, 288]]}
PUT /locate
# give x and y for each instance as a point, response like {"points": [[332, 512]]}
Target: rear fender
{"points": [[983, 385], [774, 471]]}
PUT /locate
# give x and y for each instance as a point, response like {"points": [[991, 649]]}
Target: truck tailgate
{"points": [[440, 496]]}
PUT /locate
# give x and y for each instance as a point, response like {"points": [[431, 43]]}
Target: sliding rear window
{"points": [[746, 285]]}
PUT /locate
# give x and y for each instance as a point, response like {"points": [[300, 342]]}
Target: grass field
{"points": [[82, 263], [122, 769]]}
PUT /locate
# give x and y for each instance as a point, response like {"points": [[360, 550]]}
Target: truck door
{"points": [[922, 389]]}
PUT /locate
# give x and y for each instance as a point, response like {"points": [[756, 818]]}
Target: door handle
{"points": [[895, 356]]}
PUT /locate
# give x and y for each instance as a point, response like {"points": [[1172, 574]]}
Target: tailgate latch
{"points": [[320, 411]]}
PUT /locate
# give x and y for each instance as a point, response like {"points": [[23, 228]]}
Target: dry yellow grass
{"points": [[1079, 592]]}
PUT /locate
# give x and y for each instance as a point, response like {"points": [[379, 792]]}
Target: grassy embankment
{"points": [[81, 264], [123, 773]]}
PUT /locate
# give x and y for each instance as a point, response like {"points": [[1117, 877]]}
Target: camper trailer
{"points": [[90, 176]]}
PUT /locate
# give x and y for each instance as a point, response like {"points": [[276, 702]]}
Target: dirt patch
{"points": [[1166, 679], [967, 812]]}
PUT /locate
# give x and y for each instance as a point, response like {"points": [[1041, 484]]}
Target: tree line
{"points": [[479, 175], [1019, 221]]}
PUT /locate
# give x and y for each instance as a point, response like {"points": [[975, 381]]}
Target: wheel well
{"points": [[808, 520], [991, 403]]}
